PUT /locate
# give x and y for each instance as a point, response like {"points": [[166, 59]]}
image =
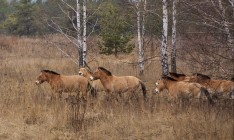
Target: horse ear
{"points": [[86, 65]]}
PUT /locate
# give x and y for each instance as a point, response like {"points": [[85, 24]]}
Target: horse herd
{"points": [[177, 85]]}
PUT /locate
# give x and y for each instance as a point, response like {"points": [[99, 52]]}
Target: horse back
{"points": [[124, 83], [184, 89], [222, 85], [74, 81]]}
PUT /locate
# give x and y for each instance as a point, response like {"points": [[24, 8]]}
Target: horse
{"points": [[181, 89], [118, 84], [217, 87], [222, 88], [97, 85], [64, 83]]}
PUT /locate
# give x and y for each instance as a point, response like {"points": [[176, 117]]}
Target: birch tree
{"points": [[164, 59], [76, 21], [140, 34], [225, 24], [79, 41], [84, 46], [173, 46], [232, 4]]}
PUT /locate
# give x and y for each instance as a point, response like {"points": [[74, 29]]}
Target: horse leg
{"points": [[84, 96], [60, 95], [93, 92], [231, 94]]}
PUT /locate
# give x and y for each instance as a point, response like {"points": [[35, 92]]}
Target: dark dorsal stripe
{"points": [[176, 74], [201, 75], [51, 72], [105, 70], [168, 78]]}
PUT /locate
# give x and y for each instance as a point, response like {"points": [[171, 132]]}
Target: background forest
{"points": [[204, 29]]}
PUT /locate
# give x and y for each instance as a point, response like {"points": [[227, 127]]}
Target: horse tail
{"points": [[143, 87], [205, 91]]}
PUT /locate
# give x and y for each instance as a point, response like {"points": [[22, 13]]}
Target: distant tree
{"points": [[3, 9], [114, 30], [23, 20]]}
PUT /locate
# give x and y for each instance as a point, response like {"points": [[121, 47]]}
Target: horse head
{"points": [[84, 72], [99, 73], [41, 78], [44, 76], [162, 83]]}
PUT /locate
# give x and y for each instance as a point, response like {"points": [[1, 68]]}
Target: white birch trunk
{"points": [[173, 49], [232, 4], [226, 27], [79, 42], [164, 39], [84, 31], [224, 20], [140, 40], [143, 21], [143, 39]]}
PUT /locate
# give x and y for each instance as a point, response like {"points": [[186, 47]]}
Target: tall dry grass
{"points": [[27, 111]]}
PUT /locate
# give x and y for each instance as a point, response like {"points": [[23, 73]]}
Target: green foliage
{"points": [[24, 20], [114, 30], [3, 9]]}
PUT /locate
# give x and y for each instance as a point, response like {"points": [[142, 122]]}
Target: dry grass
{"points": [[28, 113]]}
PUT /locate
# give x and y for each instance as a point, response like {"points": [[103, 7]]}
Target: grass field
{"points": [[27, 113]]}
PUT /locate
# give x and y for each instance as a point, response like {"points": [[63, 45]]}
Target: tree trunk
{"points": [[140, 39], [116, 52], [226, 27], [79, 42], [232, 4], [164, 39], [84, 31], [173, 49]]}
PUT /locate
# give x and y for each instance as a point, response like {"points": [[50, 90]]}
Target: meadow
{"points": [[27, 113]]}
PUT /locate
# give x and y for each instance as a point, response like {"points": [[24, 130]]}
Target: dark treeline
{"points": [[31, 17]]}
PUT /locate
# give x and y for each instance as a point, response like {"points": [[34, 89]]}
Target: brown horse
{"points": [[181, 89], [61, 83], [118, 84], [222, 88], [97, 85]]}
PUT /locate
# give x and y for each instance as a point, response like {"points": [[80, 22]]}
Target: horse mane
{"points": [[89, 71], [51, 72], [232, 79], [176, 74], [201, 75], [168, 78], [105, 70]]}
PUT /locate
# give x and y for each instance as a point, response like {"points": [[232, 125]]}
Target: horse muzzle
{"points": [[37, 82], [91, 78], [156, 91]]}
